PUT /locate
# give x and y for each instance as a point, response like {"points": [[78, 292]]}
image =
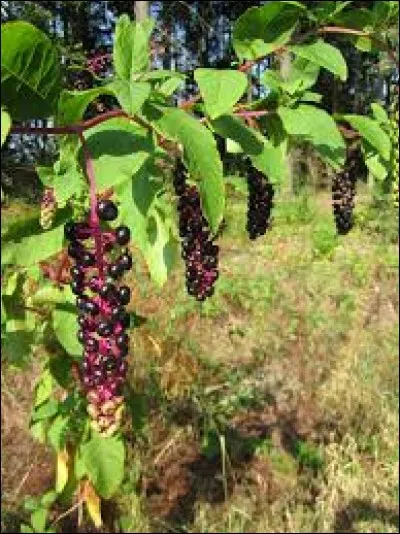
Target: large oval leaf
{"points": [[261, 30], [265, 156], [104, 463], [372, 132], [220, 89], [200, 153], [317, 127], [324, 55], [30, 71], [5, 125], [118, 148]]}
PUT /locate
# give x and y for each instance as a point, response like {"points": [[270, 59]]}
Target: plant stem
{"points": [[94, 221]]}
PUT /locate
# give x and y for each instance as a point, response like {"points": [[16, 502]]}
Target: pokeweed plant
{"points": [[62, 297]]}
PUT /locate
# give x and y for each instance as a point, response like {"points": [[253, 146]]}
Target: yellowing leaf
{"points": [[62, 470], [93, 504]]}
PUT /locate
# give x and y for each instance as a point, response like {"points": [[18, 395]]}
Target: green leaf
{"points": [[31, 503], [51, 294], [372, 132], [130, 95], [65, 328], [167, 87], [46, 175], [26, 528], [220, 89], [5, 125], [317, 127], [324, 55], [160, 74], [266, 157], [379, 113], [374, 162], [38, 430], [118, 149], [261, 30], [46, 410], [362, 20], [30, 71], [162, 248], [34, 248], [310, 96], [148, 229], [38, 519], [44, 387], [104, 460], [200, 154], [48, 498], [131, 47], [303, 75], [56, 433], [60, 368], [73, 104], [17, 347]]}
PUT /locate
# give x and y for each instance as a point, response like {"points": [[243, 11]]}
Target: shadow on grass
{"points": [[362, 510]]}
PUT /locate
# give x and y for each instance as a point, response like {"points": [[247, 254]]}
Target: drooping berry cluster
{"points": [[343, 193], [199, 251], [260, 202], [99, 265], [394, 137], [48, 208]]}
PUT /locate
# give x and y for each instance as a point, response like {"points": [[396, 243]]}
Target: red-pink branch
{"points": [[94, 218]]}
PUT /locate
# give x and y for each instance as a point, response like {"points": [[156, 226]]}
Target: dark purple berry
{"points": [[115, 271], [107, 210], [104, 329], [122, 340], [75, 250], [76, 287], [125, 261], [118, 314], [91, 345], [70, 230], [124, 294], [122, 235], [107, 291], [77, 273], [91, 307], [81, 336], [88, 259]]}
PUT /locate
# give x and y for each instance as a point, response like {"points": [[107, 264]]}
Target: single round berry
{"points": [[70, 230], [76, 287], [107, 291], [81, 303], [88, 259], [125, 320], [77, 273], [124, 294], [91, 307], [107, 210], [122, 340], [118, 314], [122, 235], [81, 336], [115, 271], [125, 261], [91, 345], [104, 329], [123, 351], [75, 250]]}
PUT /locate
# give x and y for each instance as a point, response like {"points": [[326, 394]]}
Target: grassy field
{"points": [[272, 407]]}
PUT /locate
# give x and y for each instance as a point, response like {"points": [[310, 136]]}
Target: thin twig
{"points": [[68, 512]]}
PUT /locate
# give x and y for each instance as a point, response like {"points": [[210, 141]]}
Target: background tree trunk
{"points": [[141, 10]]}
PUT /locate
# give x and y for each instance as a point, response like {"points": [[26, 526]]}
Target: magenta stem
{"points": [[94, 221]]}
